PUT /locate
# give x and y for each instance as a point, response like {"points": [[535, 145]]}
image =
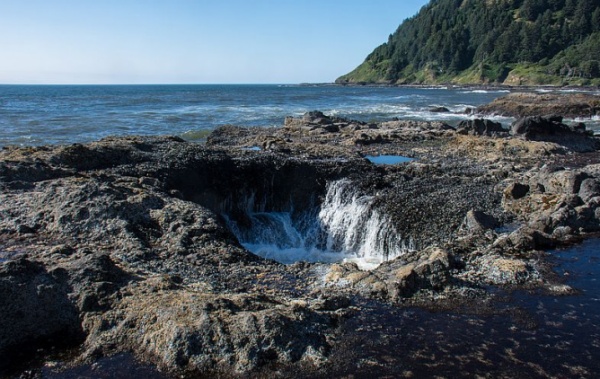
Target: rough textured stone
{"points": [[481, 127], [516, 191], [35, 307], [535, 104], [477, 221], [124, 243]]}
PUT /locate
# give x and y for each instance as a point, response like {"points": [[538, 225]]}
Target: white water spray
{"points": [[347, 227], [352, 224]]}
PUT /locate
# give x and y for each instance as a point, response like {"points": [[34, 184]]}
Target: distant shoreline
{"points": [[524, 88], [455, 86]]}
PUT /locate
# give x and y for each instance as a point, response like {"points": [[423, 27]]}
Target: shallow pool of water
{"points": [[252, 148], [388, 159]]}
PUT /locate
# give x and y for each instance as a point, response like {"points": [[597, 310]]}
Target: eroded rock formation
{"points": [[523, 104], [127, 245]]}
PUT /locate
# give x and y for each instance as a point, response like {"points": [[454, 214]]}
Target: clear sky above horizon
{"points": [[191, 41]]}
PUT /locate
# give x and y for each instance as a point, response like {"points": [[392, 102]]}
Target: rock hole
{"points": [[296, 213]]}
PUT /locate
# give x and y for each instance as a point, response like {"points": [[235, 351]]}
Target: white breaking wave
{"points": [[347, 227], [486, 91], [584, 119]]}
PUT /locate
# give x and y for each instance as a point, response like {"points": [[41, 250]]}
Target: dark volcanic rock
{"points": [[481, 127], [533, 104], [589, 189], [551, 129], [477, 221], [129, 244], [439, 110], [516, 190], [35, 307], [538, 127]]}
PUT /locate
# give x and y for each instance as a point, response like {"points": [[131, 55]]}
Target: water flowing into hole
{"points": [[345, 227]]}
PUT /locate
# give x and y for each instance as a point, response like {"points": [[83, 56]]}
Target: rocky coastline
{"points": [[124, 245], [524, 104]]}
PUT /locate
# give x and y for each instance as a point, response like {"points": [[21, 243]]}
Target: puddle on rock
{"points": [[252, 148], [388, 159]]}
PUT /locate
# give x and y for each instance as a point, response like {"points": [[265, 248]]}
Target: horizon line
{"points": [[162, 84]]}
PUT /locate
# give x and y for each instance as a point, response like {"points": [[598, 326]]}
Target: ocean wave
{"points": [[575, 90], [411, 97], [81, 117], [372, 109], [460, 108], [595, 118], [483, 91]]}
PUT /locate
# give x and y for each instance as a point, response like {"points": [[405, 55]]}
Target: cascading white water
{"points": [[347, 227], [352, 224]]}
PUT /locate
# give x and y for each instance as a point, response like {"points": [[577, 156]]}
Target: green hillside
{"points": [[516, 42]]}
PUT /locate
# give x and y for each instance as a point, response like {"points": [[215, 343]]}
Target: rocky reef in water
{"points": [[127, 245], [524, 104]]}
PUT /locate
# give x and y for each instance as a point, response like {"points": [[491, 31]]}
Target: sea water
{"points": [[346, 227], [52, 114], [387, 159]]}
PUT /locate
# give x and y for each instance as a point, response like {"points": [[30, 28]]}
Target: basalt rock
{"points": [[507, 271], [398, 279], [536, 127], [35, 307], [439, 110], [534, 104], [481, 127], [561, 206], [130, 244], [478, 221], [552, 129]]}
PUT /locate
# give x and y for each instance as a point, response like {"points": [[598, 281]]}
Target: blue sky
{"points": [[191, 41]]}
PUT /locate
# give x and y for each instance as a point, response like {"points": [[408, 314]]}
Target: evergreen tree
{"points": [[449, 36]]}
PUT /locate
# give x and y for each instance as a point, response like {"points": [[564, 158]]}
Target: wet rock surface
{"points": [[125, 245], [524, 104], [481, 127]]}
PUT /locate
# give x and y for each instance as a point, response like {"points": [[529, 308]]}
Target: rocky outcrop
{"points": [[364, 133], [129, 244], [35, 308], [198, 332], [551, 129], [481, 127], [557, 205], [526, 104], [398, 279]]}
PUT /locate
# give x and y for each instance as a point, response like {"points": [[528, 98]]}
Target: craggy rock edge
{"points": [[523, 104]]}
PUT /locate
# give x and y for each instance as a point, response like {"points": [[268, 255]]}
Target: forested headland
{"points": [[513, 42]]}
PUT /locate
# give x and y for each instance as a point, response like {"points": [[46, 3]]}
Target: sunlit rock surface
{"points": [[147, 245]]}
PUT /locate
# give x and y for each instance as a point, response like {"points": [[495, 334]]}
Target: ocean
{"points": [[55, 114]]}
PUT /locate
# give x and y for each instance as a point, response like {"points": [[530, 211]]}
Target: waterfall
{"points": [[353, 224], [345, 227]]}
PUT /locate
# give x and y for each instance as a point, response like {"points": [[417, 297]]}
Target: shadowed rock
{"points": [[551, 129], [481, 127]]}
